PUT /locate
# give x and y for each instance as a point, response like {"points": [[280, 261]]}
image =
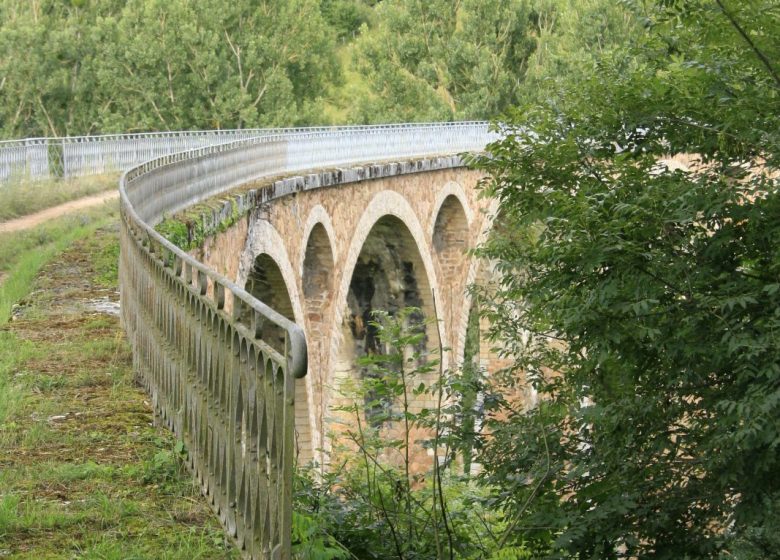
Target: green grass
{"points": [[13, 245], [27, 197], [84, 473], [22, 254]]}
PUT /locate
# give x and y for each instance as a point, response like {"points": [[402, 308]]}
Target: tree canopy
{"points": [[96, 66], [128, 65], [652, 292]]}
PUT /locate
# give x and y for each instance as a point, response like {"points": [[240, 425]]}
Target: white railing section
{"points": [[78, 156]]}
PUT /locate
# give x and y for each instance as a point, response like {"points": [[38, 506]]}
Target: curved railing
{"points": [[78, 156], [196, 336]]}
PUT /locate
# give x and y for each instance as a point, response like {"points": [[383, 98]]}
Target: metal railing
{"points": [[196, 336], [78, 156]]}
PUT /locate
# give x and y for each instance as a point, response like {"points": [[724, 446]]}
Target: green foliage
{"points": [[165, 467], [190, 229], [311, 541], [511, 553], [134, 65], [380, 426], [346, 16], [653, 293], [377, 502], [175, 231], [23, 254], [441, 60]]}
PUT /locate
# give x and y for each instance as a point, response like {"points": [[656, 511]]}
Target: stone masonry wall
{"points": [[323, 235]]}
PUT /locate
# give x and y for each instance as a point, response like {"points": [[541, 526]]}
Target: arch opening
{"points": [[266, 283], [450, 234], [389, 276], [317, 281], [317, 266]]}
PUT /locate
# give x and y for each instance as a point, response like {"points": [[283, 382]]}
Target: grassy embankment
{"points": [[83, 472], [27, 197]]}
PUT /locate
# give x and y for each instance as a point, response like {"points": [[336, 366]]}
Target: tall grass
{"points": [[84, 473], [20, 198]]}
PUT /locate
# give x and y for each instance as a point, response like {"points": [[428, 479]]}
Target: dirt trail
{"points": [[27, 222]]}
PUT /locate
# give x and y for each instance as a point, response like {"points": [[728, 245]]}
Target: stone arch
{"points": [[388, 268], [450, 227], [384, 203], [266, 282], [268, 275], [317, 268], [317, 271], [450, 238], [478, 273], [388, 276], [451, 189], [318, 216]]}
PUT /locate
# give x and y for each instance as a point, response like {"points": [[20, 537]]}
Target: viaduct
{"points": [[325, 257], [244, 340]]}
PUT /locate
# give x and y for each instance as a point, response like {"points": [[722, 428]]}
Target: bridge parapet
{"points": [[196, 336]]}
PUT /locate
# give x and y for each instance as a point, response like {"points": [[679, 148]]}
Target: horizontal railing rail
{"points": [[77, 156], [196, 335]]}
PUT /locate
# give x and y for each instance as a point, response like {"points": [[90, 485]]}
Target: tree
{"points": [[81, 67], [652, 293], [49, 57], [177, 65], [441, 60], [473, 59], [346, 16]]}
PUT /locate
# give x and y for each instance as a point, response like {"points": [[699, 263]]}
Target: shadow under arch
{"points": [[389, 275], [317, 274], [317, 266], [266, 282], [450, 234]]}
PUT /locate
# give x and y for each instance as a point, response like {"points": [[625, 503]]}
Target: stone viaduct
{"points": [[244, 342], [331, 252]]}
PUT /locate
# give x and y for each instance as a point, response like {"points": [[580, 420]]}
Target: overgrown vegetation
{"points": [[23, 254], [83, 472], [397, 468], [653, 292], [190, 228]]}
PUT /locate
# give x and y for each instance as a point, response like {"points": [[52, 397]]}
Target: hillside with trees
{"points": [[80, 67]]}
